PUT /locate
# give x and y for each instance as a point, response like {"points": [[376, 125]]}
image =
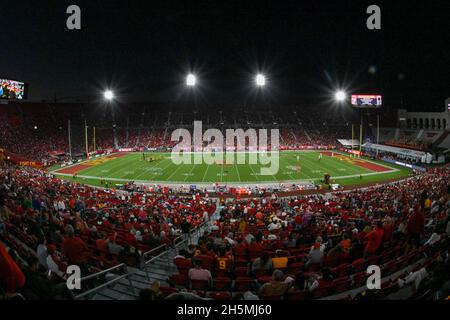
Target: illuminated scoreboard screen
{"points": [[12, 90], [366, 100]]}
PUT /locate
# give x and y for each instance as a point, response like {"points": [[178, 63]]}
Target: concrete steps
{"points": [[159, 269]]}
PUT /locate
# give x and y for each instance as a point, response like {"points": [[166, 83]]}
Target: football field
{"points": [[294, 166]]}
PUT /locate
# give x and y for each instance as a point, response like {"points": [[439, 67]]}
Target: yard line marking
{"points": [[178, 168], [254, 173], [169, 163], [302, 172], [237, 171], [204, 175], [154, 164], [246, 183], [120, 162], [193, 166]]}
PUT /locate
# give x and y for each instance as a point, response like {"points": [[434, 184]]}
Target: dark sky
{"points": [[144, 49]]}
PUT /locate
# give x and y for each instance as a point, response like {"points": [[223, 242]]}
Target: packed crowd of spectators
{"points": [[259, 248], [64, 223], [309, 246], [39, 132]]}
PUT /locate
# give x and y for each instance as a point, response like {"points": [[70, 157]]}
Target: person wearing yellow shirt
{"points": [[280, 261], [427, 203]]}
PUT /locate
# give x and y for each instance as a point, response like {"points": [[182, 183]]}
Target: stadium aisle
{"points": [[158, 270]]}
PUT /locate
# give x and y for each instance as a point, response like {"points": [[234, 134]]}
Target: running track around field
{"points": [[89, 163], [361, 163]]}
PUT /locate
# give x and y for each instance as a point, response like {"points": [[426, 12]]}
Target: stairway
{"points": [[307, 135], [158, 269], [441, 139], [128, 288]]}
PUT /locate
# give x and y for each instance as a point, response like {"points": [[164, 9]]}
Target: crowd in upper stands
{"points": [[40, 132]]}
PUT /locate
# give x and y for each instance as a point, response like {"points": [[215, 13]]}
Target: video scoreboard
{"points": [[366, 100], [12, 90]]}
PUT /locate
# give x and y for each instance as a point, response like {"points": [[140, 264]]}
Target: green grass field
{"points": [[132, 167]]}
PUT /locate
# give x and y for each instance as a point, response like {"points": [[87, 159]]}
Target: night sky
{"points": [[143, 50]]}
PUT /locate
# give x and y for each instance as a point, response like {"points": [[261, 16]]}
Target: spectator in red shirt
{"points": [[374, 240], [223, 261], [255, 249], [240, 249], [11, 277], [388, 227], [74, 248], [415, 226]]}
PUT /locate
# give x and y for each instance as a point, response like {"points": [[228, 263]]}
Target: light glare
{"points": [[191, 80], [340, 95], [260, 80], [109, 95]]}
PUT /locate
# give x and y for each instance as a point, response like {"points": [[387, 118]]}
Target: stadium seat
{"points": [[359, 279], [321, 292], [219, 295], [313, 267], [341, 284], [179, 280], [241, 271], [296, 267], [199, 285], [299, 295], [272, 298], [358, 265], [243, 283], [264, 279], [222, 284], [341, 271]]}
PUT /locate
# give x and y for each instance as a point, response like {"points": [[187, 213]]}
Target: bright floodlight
{"points": [[109, 95], [191, 80], [340, 95], [260, 80]]}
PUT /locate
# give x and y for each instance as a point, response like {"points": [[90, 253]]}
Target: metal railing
{"points": [[161, 250], [108, 283]]}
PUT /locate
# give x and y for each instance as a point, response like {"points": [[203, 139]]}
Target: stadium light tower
{"points": [[191, 80], [109, 95], [340, 95], [260, 80]]}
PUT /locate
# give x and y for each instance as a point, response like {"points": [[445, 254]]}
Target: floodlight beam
{"points": [[191, 80], [109, 95], [340, 95], [260, 80]]}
